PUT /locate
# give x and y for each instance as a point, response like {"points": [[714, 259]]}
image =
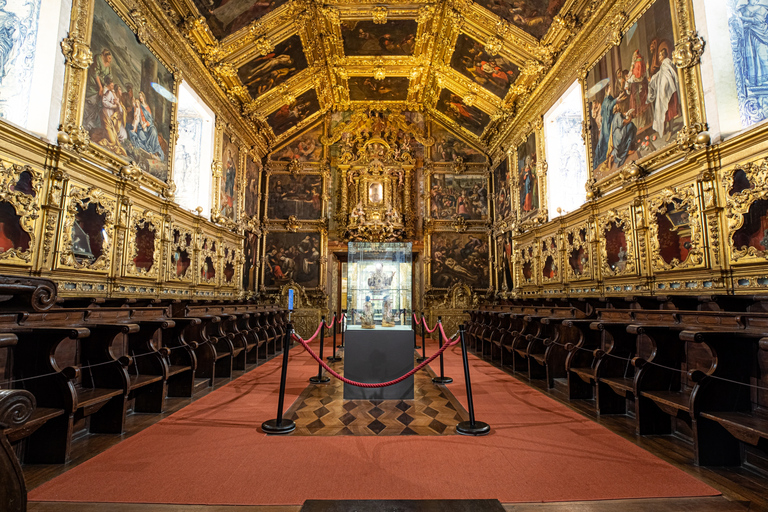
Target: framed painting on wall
{"points": [[252, 171], [129, 96], [298, 196], [528, 177], [633, 95], [228, 190], [292, 257], [501, 190], [459, 258], [458, 195]]}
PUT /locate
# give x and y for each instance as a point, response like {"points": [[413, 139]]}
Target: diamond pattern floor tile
{"points": [[322, 411]]}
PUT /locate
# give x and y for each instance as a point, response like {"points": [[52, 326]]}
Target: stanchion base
{"points": [[442, 380], [285, 427], [465, 428], [333, 359], [319, 380]]}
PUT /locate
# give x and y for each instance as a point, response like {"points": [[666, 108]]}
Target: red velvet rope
{"points": [[377, 384], [419, 322], [330, 326], [311, 339]]}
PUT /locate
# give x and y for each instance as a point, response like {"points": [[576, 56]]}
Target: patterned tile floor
{"points": [[322, 411]]}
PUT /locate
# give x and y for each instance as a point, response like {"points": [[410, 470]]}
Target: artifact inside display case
{"points": [[379, 285]]}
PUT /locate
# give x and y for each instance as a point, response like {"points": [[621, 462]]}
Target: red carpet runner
{"points": [[213, 453]]}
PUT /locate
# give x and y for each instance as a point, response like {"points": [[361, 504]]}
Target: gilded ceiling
{"points": [[284, 62]]}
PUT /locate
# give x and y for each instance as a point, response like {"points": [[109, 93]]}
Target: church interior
{"points": [[553, 213]]}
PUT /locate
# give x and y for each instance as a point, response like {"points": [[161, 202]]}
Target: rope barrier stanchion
{"points": [[282, 425], [415, 346], [320, 378], [343, 327], [423, 343], [442, 379], [334, 358], [471, 427]]}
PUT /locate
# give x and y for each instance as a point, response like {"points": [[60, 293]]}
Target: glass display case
{"points": [[379, 283]]}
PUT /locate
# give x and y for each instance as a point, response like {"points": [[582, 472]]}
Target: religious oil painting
{"points": [[533, 16], [230, 159], [495, 73], [128, 95], [460, 258], [367, 88], [268, 71], [18, 41], [305, 147], [290, 115], [501, 190], [748, 24], [633, 94], [225, 17], [300, 196], [753, 232], [292, 257], [616, 248], [395, 37], [448, 147], [252, 170], [458, 195], [528, 181], [506, 260], [469, 118]]}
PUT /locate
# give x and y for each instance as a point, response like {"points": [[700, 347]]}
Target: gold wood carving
{"points": [[578, 253], [148, 220], [21, 187], [80, 199], [745, 186], [684, 199], [626, 264]]}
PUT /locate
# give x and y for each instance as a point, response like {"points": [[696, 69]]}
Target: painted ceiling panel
{"points": [[363, 38], [495, 73], [225, 17], [267, 71], [533, 16]]}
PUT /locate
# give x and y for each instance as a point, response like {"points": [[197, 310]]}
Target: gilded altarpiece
{"points": [[527, 259], [179, 259], [20, 193], [207, 268], [231, 267], [88, 230], [551, 264]]}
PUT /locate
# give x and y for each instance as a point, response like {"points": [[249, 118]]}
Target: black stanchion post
{"points": [[417, 347], [442, 379], [334, 358], [343, 327], [423, 344], [281, 425], [471, 427], [320, 378]]}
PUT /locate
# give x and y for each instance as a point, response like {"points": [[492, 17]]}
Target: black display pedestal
{"points": [[378, 355]]}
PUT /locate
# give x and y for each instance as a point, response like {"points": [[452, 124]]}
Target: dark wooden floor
{"points": [[742, 488]]}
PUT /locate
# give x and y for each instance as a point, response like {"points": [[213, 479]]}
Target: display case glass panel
{"points": [[379, 282]]}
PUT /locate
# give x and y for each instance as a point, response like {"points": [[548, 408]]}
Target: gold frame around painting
{"points": [[688, 48], [79, 57], [538, 214], [219, 177]]}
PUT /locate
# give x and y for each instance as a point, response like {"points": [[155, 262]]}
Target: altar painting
{"points": [[448, 147], [251, 254], [459, 195], [395, 37], [304, 148], [469, 118], [228, 189], [633, 95], [300, 196], [533, 16], [459, 258], [502, 190], [225, 17], [20, 20], [528, 180], [367, 88], [290, 115], [128, 95], [292, 257], [495, 73], [749, 45], [268, 71]]}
